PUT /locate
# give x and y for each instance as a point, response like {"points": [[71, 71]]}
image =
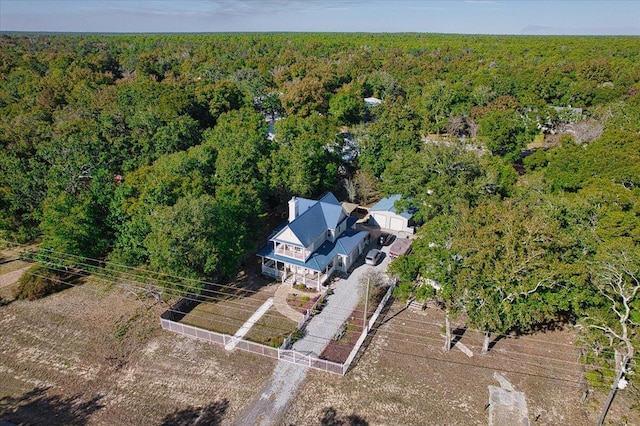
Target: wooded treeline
{"points": [[153, 150]]}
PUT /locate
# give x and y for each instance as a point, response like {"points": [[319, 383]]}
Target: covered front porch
{"points": [[295, 274]]}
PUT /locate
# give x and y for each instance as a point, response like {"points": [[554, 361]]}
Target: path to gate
{"points": [[249, 323]]}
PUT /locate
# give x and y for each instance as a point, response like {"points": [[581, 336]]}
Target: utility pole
{"points": [[366, 306], [620, 370]]}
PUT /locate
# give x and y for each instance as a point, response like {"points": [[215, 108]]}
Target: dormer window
{"points": [[328, 233]]}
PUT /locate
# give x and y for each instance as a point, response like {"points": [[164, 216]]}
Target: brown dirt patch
{"points": [[404, 377], [301, 302], [93, 355]]}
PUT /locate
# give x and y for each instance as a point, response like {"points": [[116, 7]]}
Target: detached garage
{"points": [[384, 215]]}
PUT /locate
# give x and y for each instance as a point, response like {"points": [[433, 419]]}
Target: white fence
{"points": [[303, 322], [288, 355], [370, 324], [295, 357]]}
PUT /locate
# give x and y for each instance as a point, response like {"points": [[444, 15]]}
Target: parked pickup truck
{"points": [[399, 247]]}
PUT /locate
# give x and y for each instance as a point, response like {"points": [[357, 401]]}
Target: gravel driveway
{"points": [[324, 326], [286, 378]]}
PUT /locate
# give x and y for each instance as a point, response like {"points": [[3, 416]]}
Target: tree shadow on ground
{"points": [[457, 333], [37, 407], [496, 340], [386, 320], [211, 414], [330, 418]]}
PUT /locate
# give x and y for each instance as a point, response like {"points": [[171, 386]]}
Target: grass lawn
{"points": [[538, 142], [227, 316], [271, 329]]}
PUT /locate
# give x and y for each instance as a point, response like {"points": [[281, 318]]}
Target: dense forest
{"points": [[520, 156]]}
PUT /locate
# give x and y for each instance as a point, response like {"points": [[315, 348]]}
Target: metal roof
{"points": [[387, 204], [319, 260], [314, 218]]}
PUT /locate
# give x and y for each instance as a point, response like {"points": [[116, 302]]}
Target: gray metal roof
{"points": [[387, 204], [316, 217]]}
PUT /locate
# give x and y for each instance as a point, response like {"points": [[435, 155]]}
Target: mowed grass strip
{"points": [[271, 329], [225, 316]]}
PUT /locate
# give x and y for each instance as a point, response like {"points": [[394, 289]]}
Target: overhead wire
{"points": [[576, 384], [251, 309], [249, 291], [320, 339], [186, 295]]}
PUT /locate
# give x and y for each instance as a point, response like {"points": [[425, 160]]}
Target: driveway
{"points": [[324, 326], [268, 408]]}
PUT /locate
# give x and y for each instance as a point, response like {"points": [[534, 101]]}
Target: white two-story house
{"points": [[318, 239]]}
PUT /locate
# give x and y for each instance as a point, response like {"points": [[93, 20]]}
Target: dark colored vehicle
{"points": [[385, 239]]}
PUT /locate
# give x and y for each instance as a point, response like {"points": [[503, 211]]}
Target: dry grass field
{"points": [[95, 355], [405, 378]]}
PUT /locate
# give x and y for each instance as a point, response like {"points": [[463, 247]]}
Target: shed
{"points": [[384, 215]]}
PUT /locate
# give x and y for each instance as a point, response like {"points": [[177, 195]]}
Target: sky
{"points": [[561, 17]]}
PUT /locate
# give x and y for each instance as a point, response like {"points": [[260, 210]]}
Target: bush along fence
{"points": [[167, 321], [298, 332]]}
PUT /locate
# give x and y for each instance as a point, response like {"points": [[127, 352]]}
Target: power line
{"points": [[251, 309], [574, 384], [243, 307], [320, 339], [171, 309], [222, 286]]}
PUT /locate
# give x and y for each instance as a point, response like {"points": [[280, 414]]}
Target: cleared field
{"points": [[404, 377], [96, 355]]}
